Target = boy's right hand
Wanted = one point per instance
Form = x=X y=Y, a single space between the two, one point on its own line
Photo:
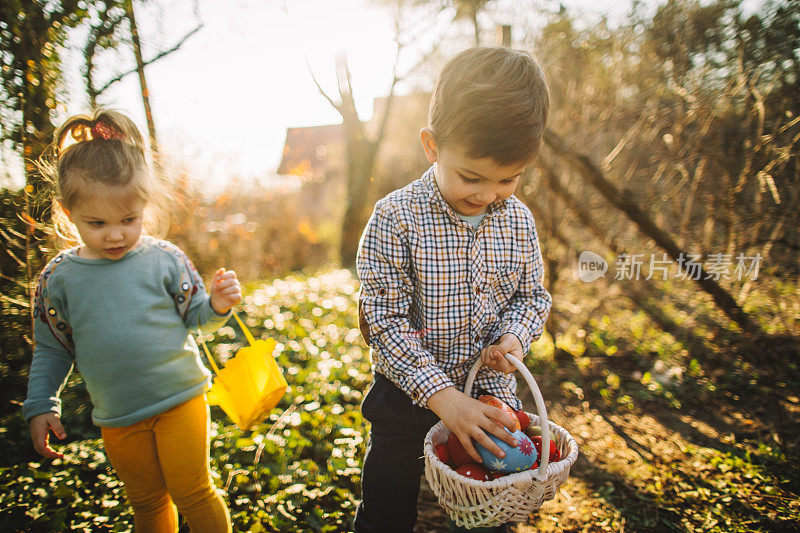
x=468 y=418
x=41 y=425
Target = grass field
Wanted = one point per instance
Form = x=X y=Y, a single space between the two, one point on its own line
x=677 y=431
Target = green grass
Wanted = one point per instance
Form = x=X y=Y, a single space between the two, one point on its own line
x=299 y=470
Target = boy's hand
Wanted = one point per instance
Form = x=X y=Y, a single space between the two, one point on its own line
x=41 y=425
x=468 y=418
x=493 y=356
x=225 y=291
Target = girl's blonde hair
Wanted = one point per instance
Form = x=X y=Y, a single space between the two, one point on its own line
x=103 y=149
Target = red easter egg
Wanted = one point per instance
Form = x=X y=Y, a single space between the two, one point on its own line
x=494 y=401
x=534 y=466
x=443 y=453
x=554 y=454
x=474 y=471
x=524 y=419
x=458 y=455
x=494 y=475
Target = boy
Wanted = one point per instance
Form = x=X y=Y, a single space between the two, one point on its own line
x=450 y=268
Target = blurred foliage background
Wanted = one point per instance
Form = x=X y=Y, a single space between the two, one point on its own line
x=673 y=142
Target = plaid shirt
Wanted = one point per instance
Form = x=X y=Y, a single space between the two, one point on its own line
x=435 y=291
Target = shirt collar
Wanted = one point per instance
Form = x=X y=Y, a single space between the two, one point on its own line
x=496 y=209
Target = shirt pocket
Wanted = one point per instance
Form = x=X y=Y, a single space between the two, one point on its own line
x=504 y=283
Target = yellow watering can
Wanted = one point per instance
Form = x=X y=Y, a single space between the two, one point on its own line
x=251 y=384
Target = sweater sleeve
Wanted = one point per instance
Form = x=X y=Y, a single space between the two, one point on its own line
x=385 y=299
x=53 y=353
x=191 y=299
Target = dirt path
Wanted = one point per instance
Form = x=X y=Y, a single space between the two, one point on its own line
x=655 y=468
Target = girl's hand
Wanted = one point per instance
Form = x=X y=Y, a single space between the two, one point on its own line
x=494 y=356
x=225 y=291
x=41 y=425
x=471 y=419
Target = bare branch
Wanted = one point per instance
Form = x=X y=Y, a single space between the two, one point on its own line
x=153 y=60
x=424 y=58
x=347 y=78
x=633 y=130
x=105 y=28
x=12 y=301
x=622 y=200
x=321 y=90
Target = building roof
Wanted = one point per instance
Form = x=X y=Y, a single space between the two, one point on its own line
x=306 y=148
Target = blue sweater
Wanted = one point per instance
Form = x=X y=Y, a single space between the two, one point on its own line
x=125 y=324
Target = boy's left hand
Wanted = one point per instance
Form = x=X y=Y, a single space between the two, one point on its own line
x=493 y=356
x=225 y=291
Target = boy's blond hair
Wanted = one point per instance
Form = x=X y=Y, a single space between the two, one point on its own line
x=491 y=102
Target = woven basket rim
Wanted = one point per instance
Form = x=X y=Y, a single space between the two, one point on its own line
x=472 y=503
x=526 y=476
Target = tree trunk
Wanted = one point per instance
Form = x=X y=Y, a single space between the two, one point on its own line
x=37 y=129
x=137 y=52
x=622 y=201
x=361 y=156
x=359 y=170
x=37 y=135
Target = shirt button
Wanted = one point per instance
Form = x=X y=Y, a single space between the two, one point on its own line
x=477 y=338
x=477 y=289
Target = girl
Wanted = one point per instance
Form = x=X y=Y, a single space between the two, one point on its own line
x=120 y=307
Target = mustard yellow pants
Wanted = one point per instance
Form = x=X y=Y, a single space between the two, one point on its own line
x=163 y=462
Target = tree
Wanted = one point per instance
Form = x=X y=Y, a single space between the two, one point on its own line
x=593 y=175
x=31 y=33
x=361 y=153
x=106 y=34
x=461 y=10
x=469 y=9
x=362 y=148
x=684 y=121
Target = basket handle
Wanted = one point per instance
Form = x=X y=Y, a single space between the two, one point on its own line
x=540 y=407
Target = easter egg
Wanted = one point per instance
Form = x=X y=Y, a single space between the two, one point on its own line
x=442 y=453
x=517 y=458
x=458 y=455
x=474 y=471
x=495 y=475
x=554 y=454
x=524 y=420
x=532 y=431
x=494 y=401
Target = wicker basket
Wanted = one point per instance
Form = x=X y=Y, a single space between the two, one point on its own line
x=471 y=503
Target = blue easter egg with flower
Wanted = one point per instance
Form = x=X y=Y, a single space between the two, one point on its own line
x=518 y=458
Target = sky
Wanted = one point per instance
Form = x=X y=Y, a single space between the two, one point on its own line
x=223 y=101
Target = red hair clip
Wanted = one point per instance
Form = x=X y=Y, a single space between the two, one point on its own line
x=106 y=132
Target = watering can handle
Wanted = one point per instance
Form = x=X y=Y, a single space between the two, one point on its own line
x=247 y=335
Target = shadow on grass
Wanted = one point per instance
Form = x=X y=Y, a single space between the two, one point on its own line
x=734 y=391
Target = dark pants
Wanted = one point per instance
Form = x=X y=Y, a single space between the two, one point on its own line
x=394 y=462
